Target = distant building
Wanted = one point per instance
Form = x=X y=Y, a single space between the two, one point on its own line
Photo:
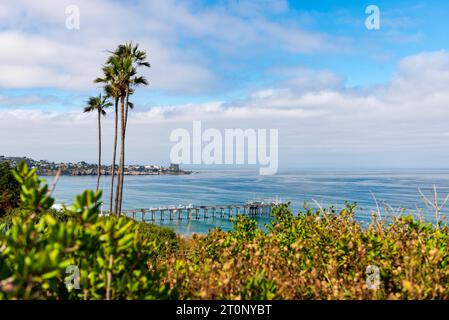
x=174 y=167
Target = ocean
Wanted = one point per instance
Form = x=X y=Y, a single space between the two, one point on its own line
x=395 y=189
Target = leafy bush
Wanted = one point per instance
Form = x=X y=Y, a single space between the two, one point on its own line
x=110 y=253
x=259 y=288
x=314 y=255
x=165 y=237
x=34 y=192
x=9 y=189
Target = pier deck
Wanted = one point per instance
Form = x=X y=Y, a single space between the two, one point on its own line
x=201 y=213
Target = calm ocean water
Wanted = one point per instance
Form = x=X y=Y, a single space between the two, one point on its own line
x=398 y=188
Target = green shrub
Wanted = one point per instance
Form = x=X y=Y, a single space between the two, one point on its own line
x=166 y=238
x=259 y=288
x=320 y=254
x=9 y=189
x=34 y=191
x=110 y=253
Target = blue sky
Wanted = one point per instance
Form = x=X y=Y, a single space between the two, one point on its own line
x=294 y=65
x=361 y=56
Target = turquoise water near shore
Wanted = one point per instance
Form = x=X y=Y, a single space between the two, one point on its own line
x=397 y=188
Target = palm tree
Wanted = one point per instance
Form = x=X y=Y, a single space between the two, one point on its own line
x=138 y=59
x=98 y=104
x=125 y=60
x=113 y=89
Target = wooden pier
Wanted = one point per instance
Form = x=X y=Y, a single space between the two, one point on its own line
x=201 y=213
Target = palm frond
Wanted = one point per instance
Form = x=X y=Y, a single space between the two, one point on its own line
x=99 y=103
x=88 y=109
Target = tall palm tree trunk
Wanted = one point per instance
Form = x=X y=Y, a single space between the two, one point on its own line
x=111 y=197
x=122 y=157
x=123 y=140
x=99 y=149
x=126 y=108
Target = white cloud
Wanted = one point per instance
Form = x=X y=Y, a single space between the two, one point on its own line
x=38 y=51
x=26 y=100
x=30 y=61
x=422 y=74
x=402 y=123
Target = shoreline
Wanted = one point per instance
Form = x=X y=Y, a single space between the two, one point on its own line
x=52 y=174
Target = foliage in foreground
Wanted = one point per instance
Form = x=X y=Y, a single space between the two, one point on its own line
x=36 y=251
x=9 y=189
x=312 y=255
x=315 y=255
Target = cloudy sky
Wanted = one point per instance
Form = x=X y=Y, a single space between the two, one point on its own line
x=341 y=95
